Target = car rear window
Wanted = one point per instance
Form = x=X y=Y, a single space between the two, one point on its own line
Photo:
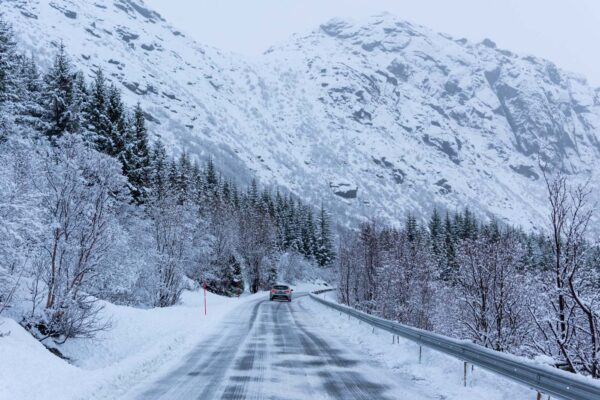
x=280 y=287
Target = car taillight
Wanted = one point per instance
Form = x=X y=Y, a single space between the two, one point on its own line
x=273 y=291
x=286 y=291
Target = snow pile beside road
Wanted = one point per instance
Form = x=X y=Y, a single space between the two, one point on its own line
x=28 y=369
x=438 y=373
x=140 y=344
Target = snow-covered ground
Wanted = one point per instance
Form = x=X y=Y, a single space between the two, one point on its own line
x=437 y=373
x=148 y=346
x=139 y=344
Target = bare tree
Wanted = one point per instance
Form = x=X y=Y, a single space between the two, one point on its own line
x=569 y=331
x=489 y=285
x=79 y=209
x=172 y=233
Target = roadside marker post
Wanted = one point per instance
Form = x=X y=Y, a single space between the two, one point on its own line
x=204 y=297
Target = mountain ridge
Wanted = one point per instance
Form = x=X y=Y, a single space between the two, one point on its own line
x=375 y=118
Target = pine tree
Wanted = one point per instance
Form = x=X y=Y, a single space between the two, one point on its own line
x=79 y=104
x=309 y=239
x=196 y=184
x=468 y=225
x=252 y=193
x=235 y=196
x=451 y=265
x=211 y=180
x=226 y=192
x=324 y=252
x=411 y=228
x=174 y=183
x=30 y=111
x=238 y=278
x=159 y=171
x=271 y=275
x=7 y=56
x=117 y=123
x=292 y=240
x=436 y=238
x=58 y=108
x=184 y=169
x=135 y=155
x=98 y=121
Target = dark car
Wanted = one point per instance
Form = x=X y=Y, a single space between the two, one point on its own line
x=281 y=292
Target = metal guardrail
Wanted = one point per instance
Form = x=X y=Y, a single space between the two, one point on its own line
x=323 y=291
x=545 y=380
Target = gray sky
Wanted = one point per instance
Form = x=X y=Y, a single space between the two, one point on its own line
x=564 y=31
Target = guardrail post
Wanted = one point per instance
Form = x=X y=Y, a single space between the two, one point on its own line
x=542 y=380
x=420 y=353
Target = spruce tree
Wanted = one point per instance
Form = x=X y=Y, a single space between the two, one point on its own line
x=450 y=239
x=117 y=133
x=196 y=184
x=324 y=252
x=184 y=169
x=436 y=238
x=252 y=193
x=291 y=229
x=98 y=121
x=174 y=183
x=309 y=239
x=211 y=180
x=7 y=56
x=135 y=155
x=159 y=171
x=411 y=228
x=32 y=109
x=58 y=107
x=238 y=278
x=226 y=192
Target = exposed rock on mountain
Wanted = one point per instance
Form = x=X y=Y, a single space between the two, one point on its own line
x=374 y=118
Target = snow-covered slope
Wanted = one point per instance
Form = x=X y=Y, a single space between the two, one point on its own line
x=139 y=346
x=374 y=118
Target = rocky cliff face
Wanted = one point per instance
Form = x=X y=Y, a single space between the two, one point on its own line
x=374 y=118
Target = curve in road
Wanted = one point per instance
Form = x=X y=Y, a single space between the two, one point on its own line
x=271 y=350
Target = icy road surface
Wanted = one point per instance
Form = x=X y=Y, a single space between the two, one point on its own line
x=274 y=350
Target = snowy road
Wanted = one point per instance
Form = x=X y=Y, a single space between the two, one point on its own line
x=272 y=350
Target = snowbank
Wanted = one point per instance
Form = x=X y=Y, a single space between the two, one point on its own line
x=140 y=344
x=442 y=375
x=28 y=369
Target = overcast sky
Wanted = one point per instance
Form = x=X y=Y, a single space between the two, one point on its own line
x=564 y=31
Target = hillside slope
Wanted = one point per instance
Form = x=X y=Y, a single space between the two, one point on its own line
x=375 y=119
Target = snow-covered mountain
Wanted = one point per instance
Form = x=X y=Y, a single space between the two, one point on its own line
x=374 y=118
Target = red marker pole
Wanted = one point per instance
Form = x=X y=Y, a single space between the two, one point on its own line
x=204 y=297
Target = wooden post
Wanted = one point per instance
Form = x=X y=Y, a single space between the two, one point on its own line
x=539 y=396
x=465 y=375
x=420 y=353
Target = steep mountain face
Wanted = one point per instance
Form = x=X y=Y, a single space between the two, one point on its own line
x=373 y=119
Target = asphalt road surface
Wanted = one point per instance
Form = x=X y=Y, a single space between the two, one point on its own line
x=271 y=350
